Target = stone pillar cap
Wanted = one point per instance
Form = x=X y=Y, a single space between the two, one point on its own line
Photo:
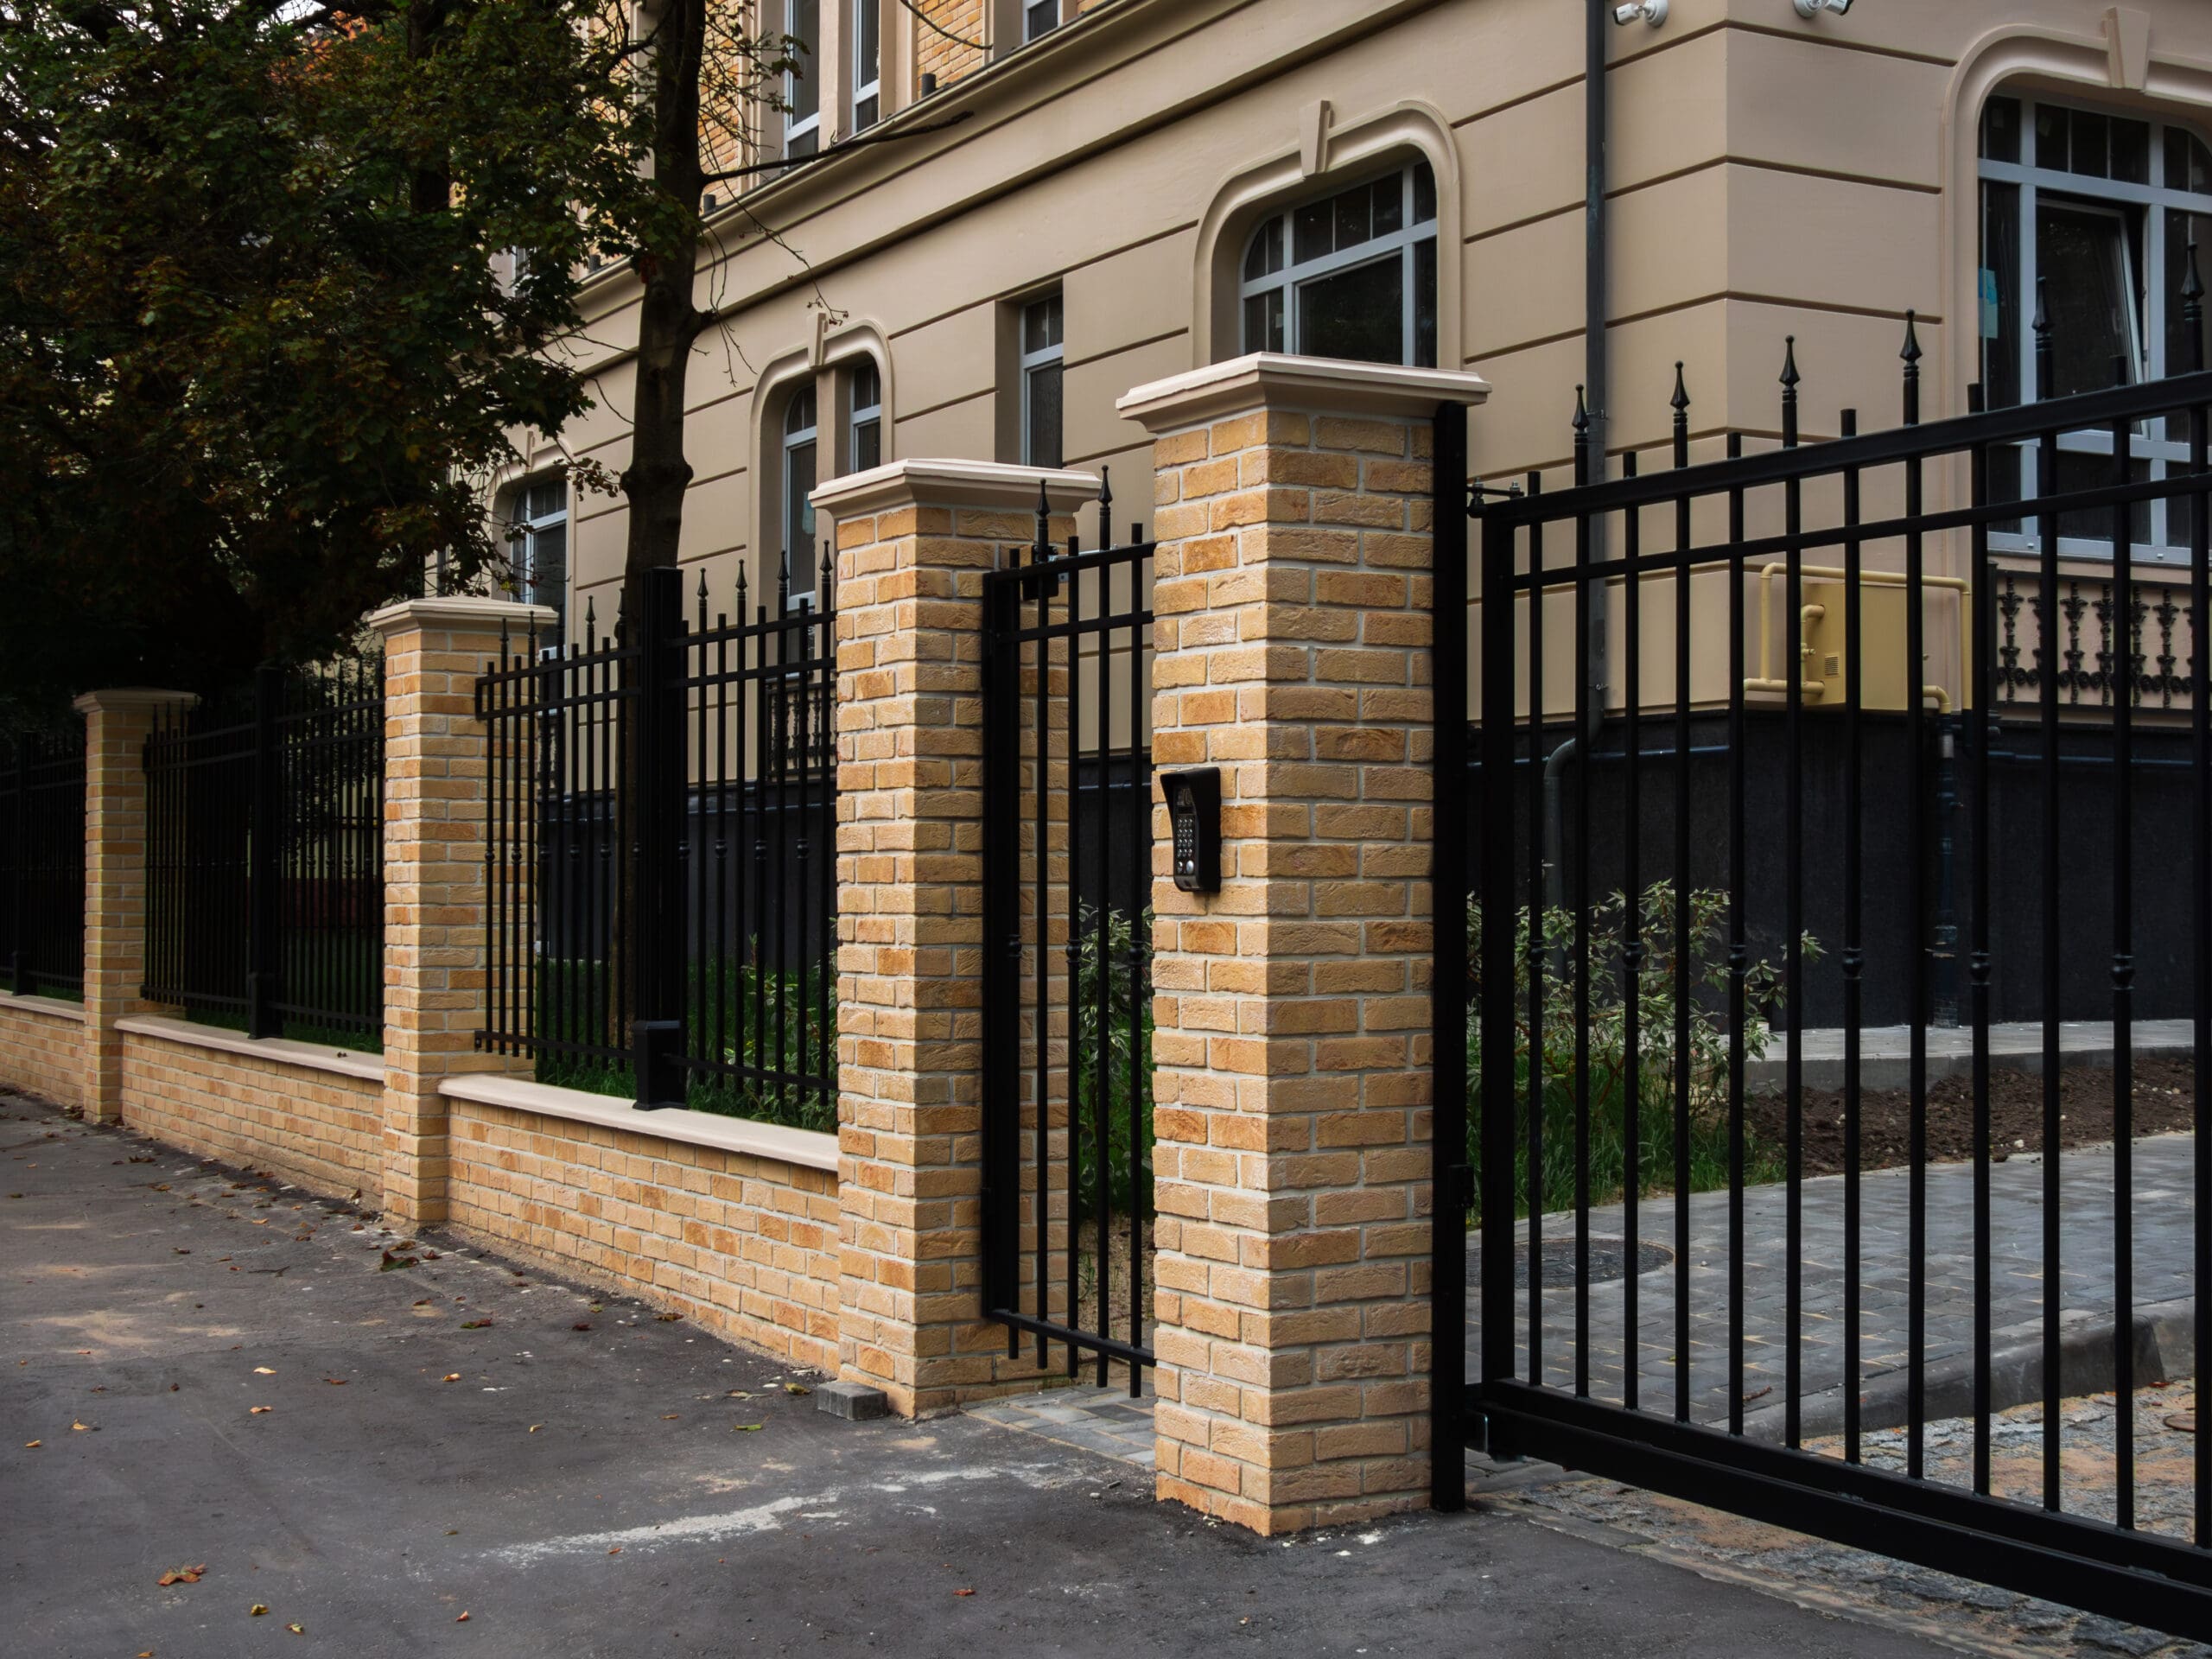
x=1318 y=385
x=133 y=696
x=468 y=611
x=953 y=484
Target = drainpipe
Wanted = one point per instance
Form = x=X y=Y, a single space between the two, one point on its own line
x=1595 y=269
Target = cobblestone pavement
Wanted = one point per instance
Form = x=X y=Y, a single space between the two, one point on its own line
x=2164 y=1212
x=1957 y=1612
x=1104 y=1421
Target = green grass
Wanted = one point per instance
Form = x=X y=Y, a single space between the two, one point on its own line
x=571 y=1009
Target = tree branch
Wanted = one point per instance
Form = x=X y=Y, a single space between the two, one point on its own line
x=864 y=140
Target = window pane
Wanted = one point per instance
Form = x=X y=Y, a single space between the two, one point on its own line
x=864 y=113
x=2079 y=472
x=1264 y=258
x=804 y=23
x=2091 y=149
x=2131 y=151
x=1358 y=313
x=868 y=385
x=1424 y=192
x=1388 y=197
x=2180 y=359
x=1309 y=232
x=1040 y=325
x=1040 y=18
x=798 y=511
x=868 y=45
x=2050 y=137
x=2083 y=254
x=2189 y=164
x=800 y=416
x=1999 y=301
x=867 y=445
x=1354 y=222
x=1263 y=322
x=2000 y=130
x=546 y=581
x=1044 y=434
x=1425 y=303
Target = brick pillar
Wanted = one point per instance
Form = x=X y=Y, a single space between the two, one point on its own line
x=1293 y=1088
x=914 y=539
x=435 y=947
x=116 y=726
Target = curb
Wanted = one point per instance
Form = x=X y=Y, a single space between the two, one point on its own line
x=2165 y=1341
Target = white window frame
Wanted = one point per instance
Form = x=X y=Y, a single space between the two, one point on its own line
x=523 y=531
x=867 y=77
x=864 y=414
x=806 y=126
x=796 y=438
x=1291 y=280
x=1027 y=361
x=2146 y=303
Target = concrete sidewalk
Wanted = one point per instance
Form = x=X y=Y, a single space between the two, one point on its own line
x=441 y=1439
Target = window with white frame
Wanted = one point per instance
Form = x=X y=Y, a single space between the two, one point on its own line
x=1039 y=365
x=1040 y=18
x=866 y=446
x=802 y=81
x=1349 y=275
x=800 y=476
x=867 y=64
x=2094 y=211
x=537 y=541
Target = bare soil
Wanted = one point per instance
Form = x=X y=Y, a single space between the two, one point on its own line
x=2163 y=1096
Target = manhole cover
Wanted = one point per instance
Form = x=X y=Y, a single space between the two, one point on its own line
x=1608 y=1260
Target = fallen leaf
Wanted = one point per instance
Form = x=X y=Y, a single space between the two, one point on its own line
x=534 y=1427
x=296 y=1629
x=335 y=1382
x=746 y=1428
x=79 y=1428
x=463 y=1619
x=450 y=1377
x=793 y=1387
x=617 y=1550
x=670 y=1416
x=256 y=1609
x=667 y=1319
x=182 y=1574
x=179 y=1249
x=256 y=1411
x=476 y=1325
x=737 y=1394
x=963 y=1592
x=263 y=1371
x=580 y=1327
x=29 y=1445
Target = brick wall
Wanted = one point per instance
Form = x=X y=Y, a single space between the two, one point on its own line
x=967 y=21
x=43 y=1053
x=319 y=1130
x=746 y=1246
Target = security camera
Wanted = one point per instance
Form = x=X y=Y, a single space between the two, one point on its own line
x=1653 y=12
x=1814 y=8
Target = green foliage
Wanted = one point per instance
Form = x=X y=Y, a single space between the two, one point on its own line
x=1113 y=961
x=262 y=344
x=726 y=995
x=1615 y=990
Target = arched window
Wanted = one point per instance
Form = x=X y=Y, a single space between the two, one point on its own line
x=1349 y=275
x=2096 y=211
x=799 y=478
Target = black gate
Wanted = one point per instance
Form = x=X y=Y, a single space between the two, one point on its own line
x=1067 y=981
x=1907 y=729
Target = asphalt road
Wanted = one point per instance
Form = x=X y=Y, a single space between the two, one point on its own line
x=225 y=1375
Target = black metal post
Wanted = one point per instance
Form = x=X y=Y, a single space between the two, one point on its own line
x=19 y=962
x=264 y=859
x=656 y=872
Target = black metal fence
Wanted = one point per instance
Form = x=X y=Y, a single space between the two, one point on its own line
x=42 y=863
x=264 y=855
x=661 y=851
x=1067 y=966
x=1620 y=992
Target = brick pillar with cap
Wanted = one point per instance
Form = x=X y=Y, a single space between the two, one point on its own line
x=1292 y=1161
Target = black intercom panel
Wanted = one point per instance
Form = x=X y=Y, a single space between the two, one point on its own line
x=1194 y=814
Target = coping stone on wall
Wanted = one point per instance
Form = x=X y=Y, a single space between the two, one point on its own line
x=282 y=1051
x=52 y=1007
x=807 y=1148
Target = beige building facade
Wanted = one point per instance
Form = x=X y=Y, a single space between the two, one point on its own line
x=1134 y=189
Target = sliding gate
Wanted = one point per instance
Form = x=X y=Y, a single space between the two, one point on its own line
x=1067 y=981
x=1814 y=983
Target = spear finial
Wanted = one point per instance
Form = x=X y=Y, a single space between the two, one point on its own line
x=1910 y=356
x=1790 y=379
